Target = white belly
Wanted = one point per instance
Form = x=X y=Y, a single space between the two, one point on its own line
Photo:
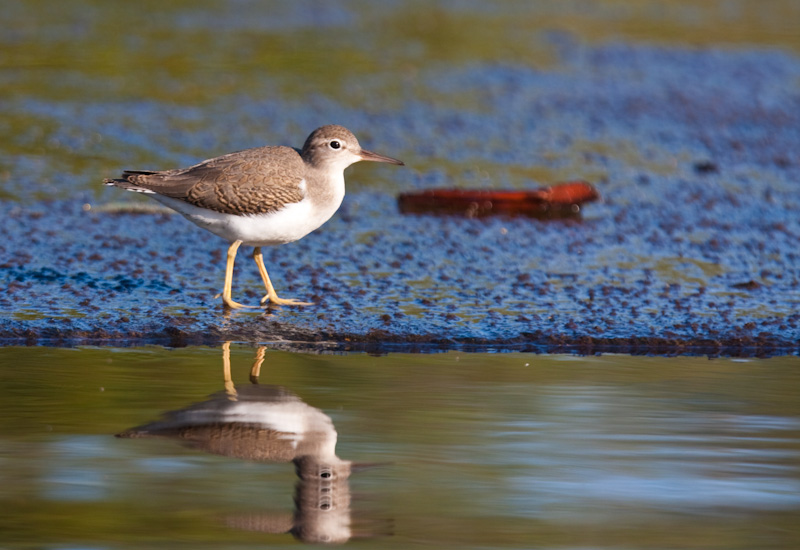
x=291 y=223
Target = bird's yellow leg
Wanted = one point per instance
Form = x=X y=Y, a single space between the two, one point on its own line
x=255 y=370
x=272 y=296
x=226 y=371
x=227 y=289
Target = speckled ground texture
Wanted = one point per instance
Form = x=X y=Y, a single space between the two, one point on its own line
x=695 y=247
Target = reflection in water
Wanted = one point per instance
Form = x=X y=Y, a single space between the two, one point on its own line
x=493 y=451
x=270 y=423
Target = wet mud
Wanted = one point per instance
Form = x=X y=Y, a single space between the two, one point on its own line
x=693 y=249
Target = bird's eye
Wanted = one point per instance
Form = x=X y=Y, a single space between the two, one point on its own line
x=335 y=144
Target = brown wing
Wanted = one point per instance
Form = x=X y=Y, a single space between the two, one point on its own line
x=253 y=181
x=236 y=439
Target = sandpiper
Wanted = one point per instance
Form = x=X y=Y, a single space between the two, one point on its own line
x=259 y=197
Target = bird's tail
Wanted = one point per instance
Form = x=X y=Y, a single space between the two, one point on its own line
x=128 y=180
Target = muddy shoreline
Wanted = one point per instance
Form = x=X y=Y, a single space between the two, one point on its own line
x=380 y=341
x=693 y=248
x=81 y=277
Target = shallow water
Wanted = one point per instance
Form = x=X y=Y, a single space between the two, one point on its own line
x=449 y=450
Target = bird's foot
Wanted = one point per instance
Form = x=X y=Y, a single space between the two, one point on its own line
x=275 y=300
x=229 y=303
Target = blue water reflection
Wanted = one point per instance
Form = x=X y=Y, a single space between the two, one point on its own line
x=595 y=447
x=471 y=450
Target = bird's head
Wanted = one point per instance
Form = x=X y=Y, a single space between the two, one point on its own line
x=336 y=147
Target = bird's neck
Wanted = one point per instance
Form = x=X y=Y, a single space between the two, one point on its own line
x=325 y=189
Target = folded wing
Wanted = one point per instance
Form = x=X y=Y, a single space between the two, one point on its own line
x=253 y=181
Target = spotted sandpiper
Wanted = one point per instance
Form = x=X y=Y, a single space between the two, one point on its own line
x=259 y=197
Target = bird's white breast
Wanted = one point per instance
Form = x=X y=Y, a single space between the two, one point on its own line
x=294 y=221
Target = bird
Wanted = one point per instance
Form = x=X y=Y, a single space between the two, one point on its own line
x=264 y=196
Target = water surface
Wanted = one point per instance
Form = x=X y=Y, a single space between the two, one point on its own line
x=450 y=450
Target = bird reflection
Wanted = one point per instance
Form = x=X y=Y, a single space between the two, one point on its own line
x=270 y=423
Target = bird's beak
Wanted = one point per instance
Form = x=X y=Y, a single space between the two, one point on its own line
x=375 y=157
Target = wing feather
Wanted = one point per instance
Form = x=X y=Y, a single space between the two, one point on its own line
x=253 y=181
